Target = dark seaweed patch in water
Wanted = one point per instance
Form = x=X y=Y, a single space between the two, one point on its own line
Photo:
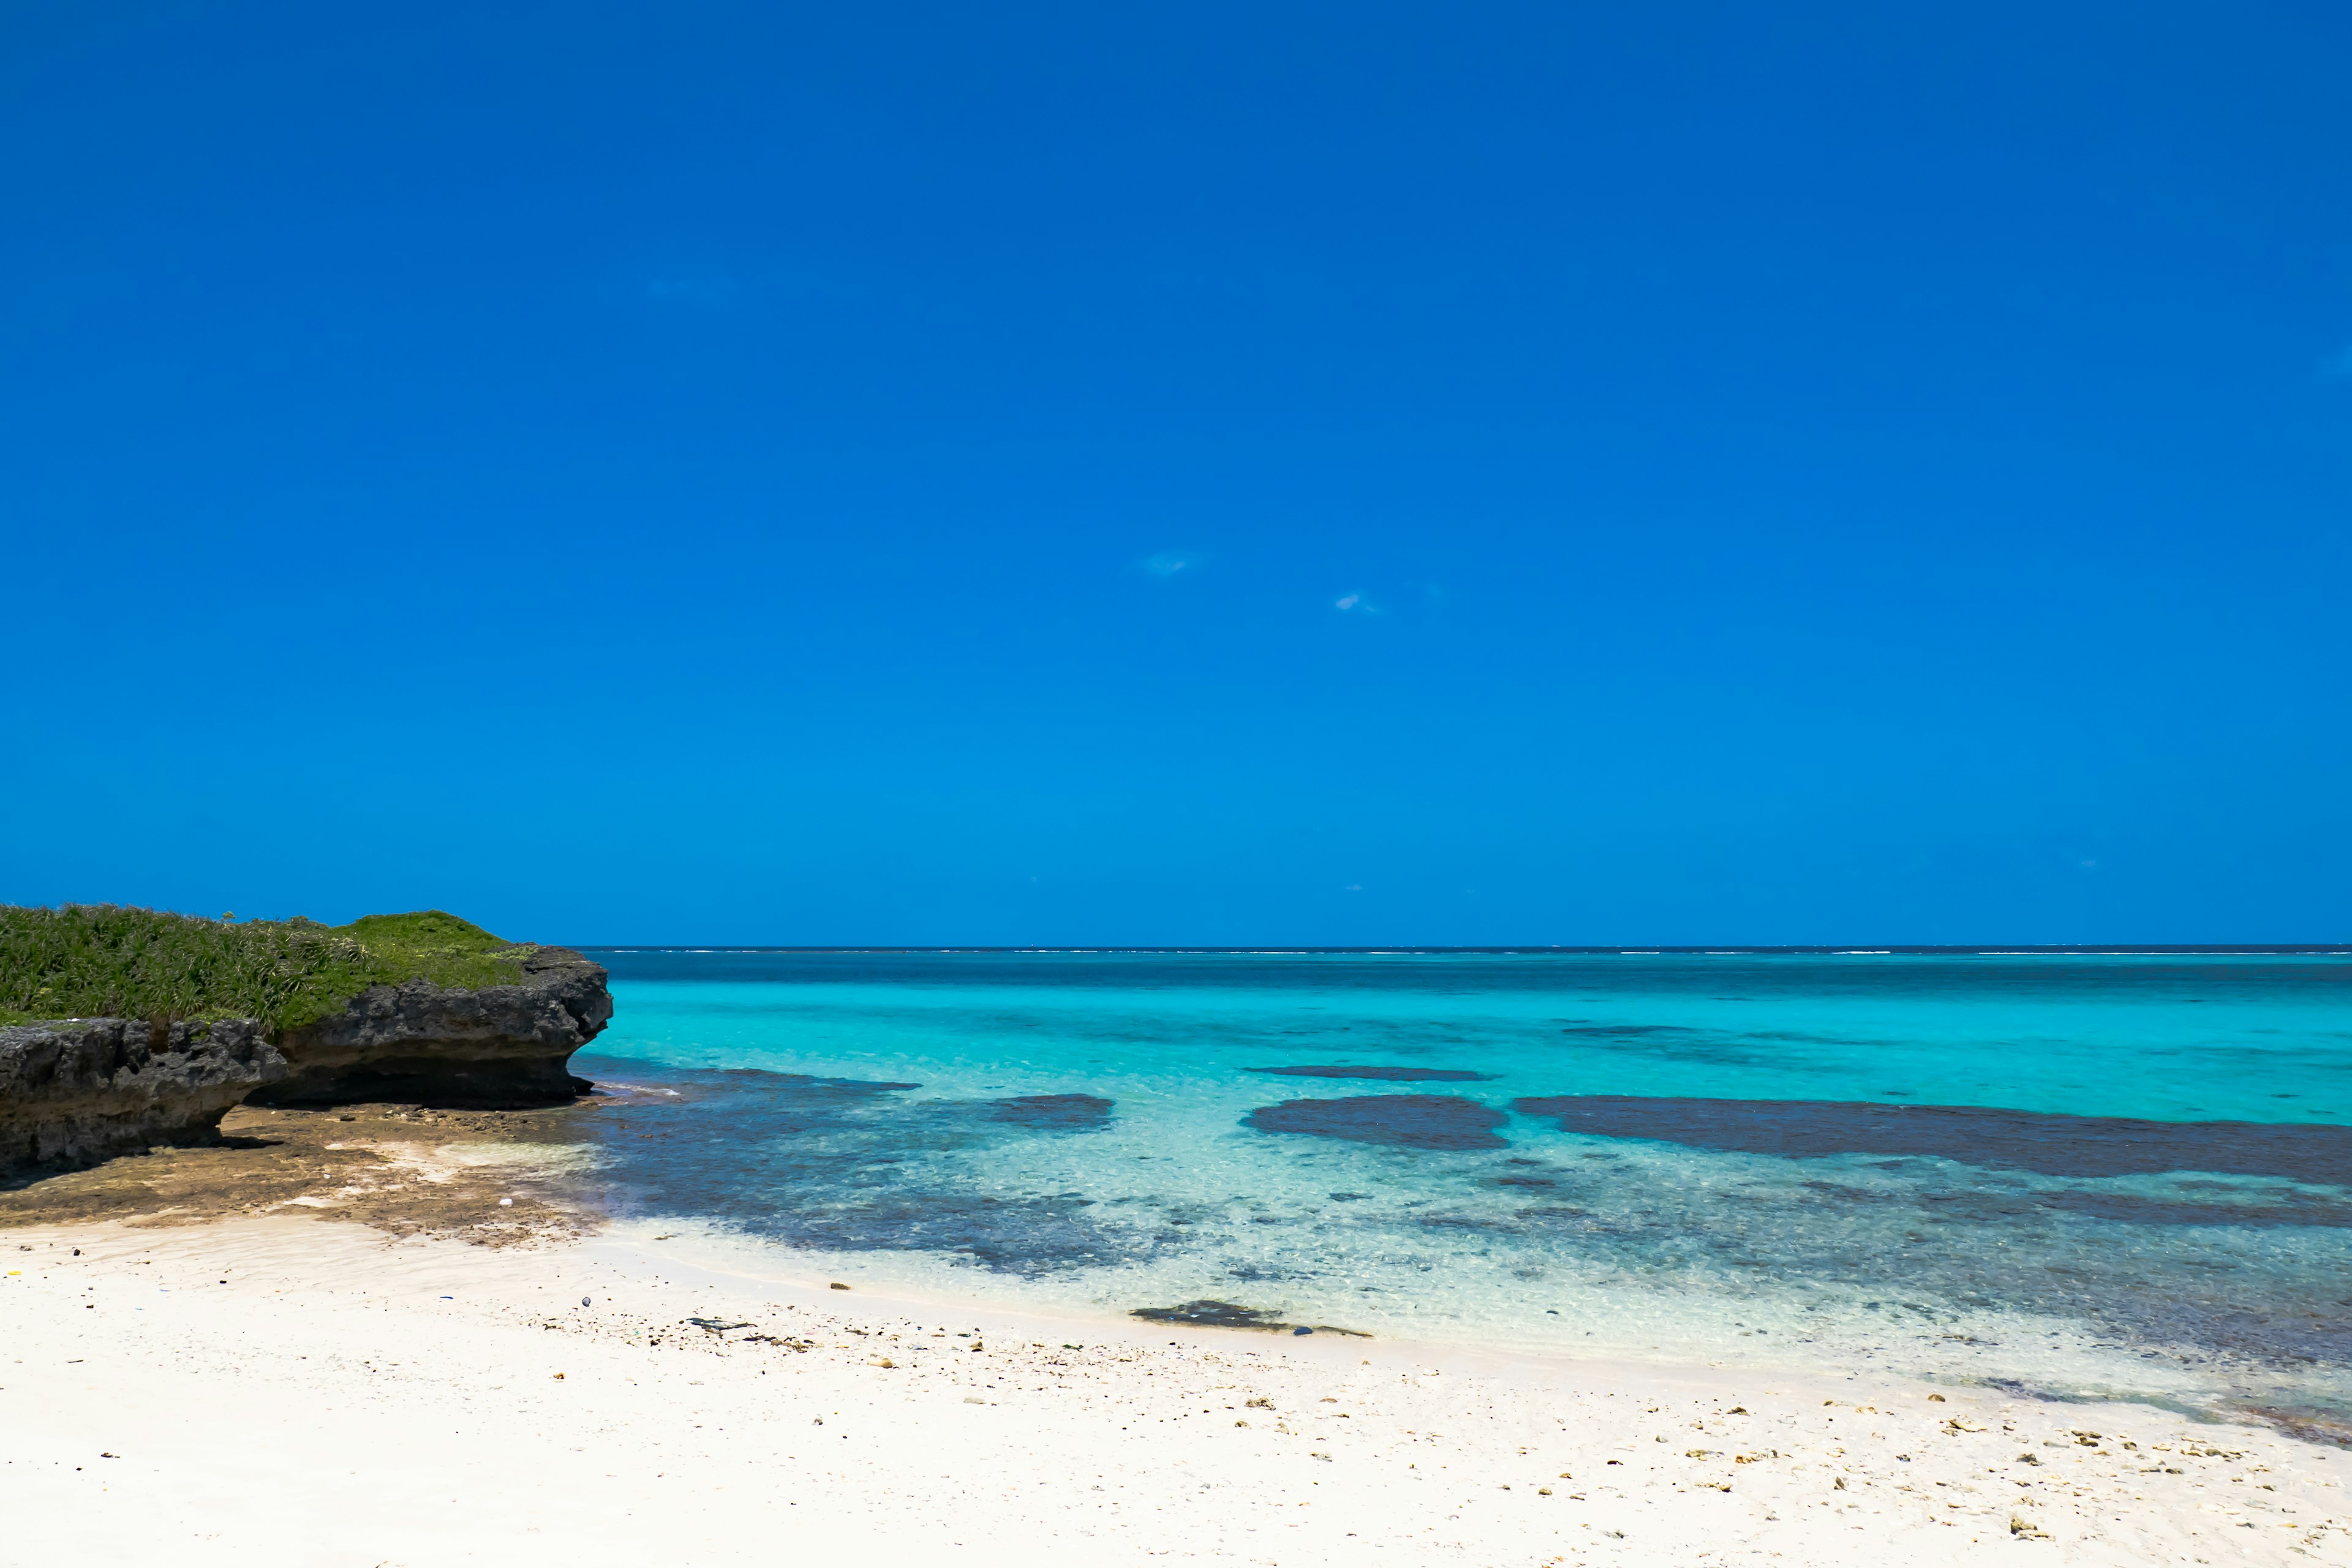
x=1386 y=1074
x=1397 y=1120
x=835 y=1164
x=2291 y=1208
x=1985 y=1136
x=1069 y=1112
x=1009 y=1235
x=1854 y=1195
x=1625 y=1031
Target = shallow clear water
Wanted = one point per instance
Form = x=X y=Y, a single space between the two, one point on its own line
x=1711 y=1172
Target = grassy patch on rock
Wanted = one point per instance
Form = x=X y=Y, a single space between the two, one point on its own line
x=100 y=961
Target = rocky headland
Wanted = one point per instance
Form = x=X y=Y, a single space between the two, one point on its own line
x=182 y=1019
x=423 y=1044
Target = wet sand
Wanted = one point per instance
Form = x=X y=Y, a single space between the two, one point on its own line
x=336 y=1346
x=403 y=1169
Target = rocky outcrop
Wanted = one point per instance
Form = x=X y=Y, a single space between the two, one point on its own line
x=423 y=1044
x=79 y=1092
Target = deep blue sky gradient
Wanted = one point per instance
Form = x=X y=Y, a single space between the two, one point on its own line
x=1684 y=473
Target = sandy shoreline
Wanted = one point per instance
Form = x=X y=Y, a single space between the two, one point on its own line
x=288 y=1390
x=330 y=1342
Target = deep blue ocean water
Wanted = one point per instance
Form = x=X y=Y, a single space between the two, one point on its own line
x=2090 y=1175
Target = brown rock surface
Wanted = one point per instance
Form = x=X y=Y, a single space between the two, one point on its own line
x=405 y=1170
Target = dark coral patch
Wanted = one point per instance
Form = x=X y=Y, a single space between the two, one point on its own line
x=1398 y=1120
x=1065 y=1113
x=1984 y=1136
x=1385 y=1074
x=834 y=1165
x=2286 y=1208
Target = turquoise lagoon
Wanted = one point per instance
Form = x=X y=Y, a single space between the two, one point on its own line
x=2140 y=1185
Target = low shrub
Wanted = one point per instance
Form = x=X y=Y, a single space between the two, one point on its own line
x=97 y=961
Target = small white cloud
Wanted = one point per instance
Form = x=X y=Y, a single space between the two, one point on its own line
x=1172 y=564
x=1355 y=605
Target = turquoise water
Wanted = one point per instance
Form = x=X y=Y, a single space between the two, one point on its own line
x=1710 y=1171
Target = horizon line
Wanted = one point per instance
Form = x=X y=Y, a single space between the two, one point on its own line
x=1853 y=950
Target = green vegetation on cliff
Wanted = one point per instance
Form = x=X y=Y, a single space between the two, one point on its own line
x=96 y=960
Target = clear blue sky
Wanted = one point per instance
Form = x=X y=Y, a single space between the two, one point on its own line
x=1346 y=473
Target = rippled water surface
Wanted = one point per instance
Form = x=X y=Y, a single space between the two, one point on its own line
x=2093 y=1175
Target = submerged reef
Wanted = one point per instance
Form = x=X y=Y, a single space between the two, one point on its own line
x=1989 y=1136
x=847 y=1164
x=1069 y=1112
x=1383 y=1074
x=1398 y=1120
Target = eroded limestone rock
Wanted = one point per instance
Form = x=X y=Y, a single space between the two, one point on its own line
x=76 y=1092
x=419 y=1043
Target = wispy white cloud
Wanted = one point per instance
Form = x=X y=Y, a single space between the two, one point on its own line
x=1169 y=564
x=1356 y=604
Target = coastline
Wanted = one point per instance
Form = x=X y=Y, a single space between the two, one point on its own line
x=396 y=1399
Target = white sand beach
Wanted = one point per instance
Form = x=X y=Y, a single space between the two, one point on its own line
x=285 y=1390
